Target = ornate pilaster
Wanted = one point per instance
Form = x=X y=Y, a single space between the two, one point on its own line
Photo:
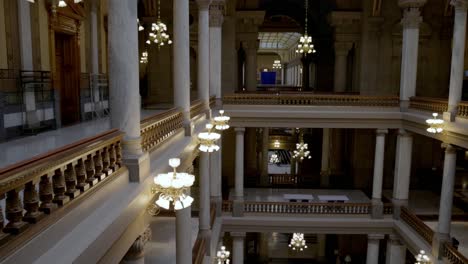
x=137 y=250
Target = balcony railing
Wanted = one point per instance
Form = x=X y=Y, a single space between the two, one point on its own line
x=463 y=109
x=301 y=208
x=417 y=224
x=283 y=179
x=52 y=180
x=453 y=255
x=436 y=105
x=311 y=99
x=155 y=129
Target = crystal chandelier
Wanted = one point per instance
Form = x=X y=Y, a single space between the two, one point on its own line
x=158 y=33
x=144 y=57
x=422 y=258
x=222 y=256
x=274 y=158
x=221 y=121
x=173 y=187
x=435 y=124
x=305 y=45
x=298 y=242
x=208 y=140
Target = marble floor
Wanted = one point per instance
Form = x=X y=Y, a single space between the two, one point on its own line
x=28 y=147
x=161 y=249
x=277 y=195
x=459 y=230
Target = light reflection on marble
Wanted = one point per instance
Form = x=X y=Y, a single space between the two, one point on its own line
x=459 y=230
x=28 y=147
x=276 y=195
x=161 y=248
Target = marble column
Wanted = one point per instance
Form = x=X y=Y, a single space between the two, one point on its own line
x=251 y=48
x=181 y=55
x=238 y=247
x=124 y=84
x=239 y=172
x=458 y=57
x=409 y=57
x=446 y=200
x=204 y=169
x=264 y=180
x=325 y=167
x=94 y=52
x=341 y=61
x=136 y=252
x=203 y=57
x=396 y=251
x=373 y=241
x=184 y=236
x=216 y=22
x=25 y=47
x=377 y=205
x=402 y=170
x=216 y=178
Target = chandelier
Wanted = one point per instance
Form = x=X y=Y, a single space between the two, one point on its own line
x=277 y=64
x=222 y=256
x=301 y=152
x=422 y=258
x=298 y=242
x=274 y=158
x=144 y=57
x=305 y=45
x=208 y=140
x=158 y=33
x=221 y=121
x=173 y=187
x=435 y=124
x=276 y=144
x=62 y=3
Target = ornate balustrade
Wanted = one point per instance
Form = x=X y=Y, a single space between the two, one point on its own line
x=311 y=99
x=283 y=179
x=157 y=128
x=52 y=180
x=436 y=105
x=463 y=109
x=417 y=224
x=301 y=208
x=453 y=255
x=196 y=108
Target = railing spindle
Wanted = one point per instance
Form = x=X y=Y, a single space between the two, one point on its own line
x=31 y=204
x=14 y=213
x=58 y=182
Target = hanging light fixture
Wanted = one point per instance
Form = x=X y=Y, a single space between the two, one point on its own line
x=144 y=57
x=276 y=144
x=305 y=45
x=221 y=121
x=298 y=242
x=277 y=63
x=158 y=33
x=140 y=27
x=436 y=125
x=301 y=152
x=422 y=258
x=62 y=3
x=222 y=256
x=274 y=158
x=77 y=1
x=173 y=187
x=208 y=140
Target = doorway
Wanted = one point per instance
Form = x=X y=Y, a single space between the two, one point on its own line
x=67 y=76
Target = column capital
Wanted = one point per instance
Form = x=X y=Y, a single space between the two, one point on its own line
x=394 y=239
x=411 y=3
x=449 y=148
x=216 y=13
x=237 y=234
x=136 y=251
x=203 y=4
x=411 y=17
x=239 y=130
x=342 y=48
x=460 y=5
x=404 y=133
x=381 y=132
x=375 y=237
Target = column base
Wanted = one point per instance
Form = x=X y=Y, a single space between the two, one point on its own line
x=397 y=204
x=238 y=207
x=438 y=244
x=449 y=116
x=404 y=105
x=138 y=167
x=377 y=209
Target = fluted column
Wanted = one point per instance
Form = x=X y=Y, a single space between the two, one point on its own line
x=184 y=236
x=396 y=251
x=238 y=245
x=377 y=206
x=203 y=57
x=264 y=180
x=325 y=168
x=204 y=192
x=402 y=170
x=341 y=61
x=409 y=57
x=373 y=241
x=458 y=56
x=181 y=49
x=239 y=172
x=216 y=23
x=124 y=83
x=136 y=253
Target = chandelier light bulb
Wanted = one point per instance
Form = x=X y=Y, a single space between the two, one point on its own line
x=62 y=3
x=77 y=1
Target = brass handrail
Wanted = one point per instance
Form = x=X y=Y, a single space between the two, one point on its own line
x=453 y=255
x=417 y=224
x=157 y=128
x=437 y=105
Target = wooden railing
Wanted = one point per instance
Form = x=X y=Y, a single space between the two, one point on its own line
x=157 y=128
x=283 y=179
x=463 y=109
x=199 y=249
x=417 y=224
x=52 y=180
x=311 y=99
x=436 y=105
x=453 y=255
